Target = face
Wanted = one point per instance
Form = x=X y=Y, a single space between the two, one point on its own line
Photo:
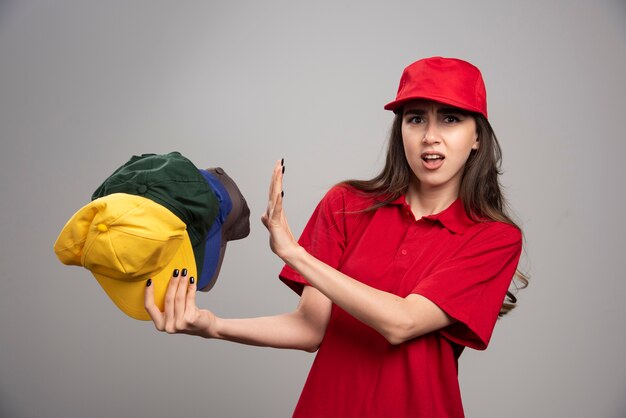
x=438 y=140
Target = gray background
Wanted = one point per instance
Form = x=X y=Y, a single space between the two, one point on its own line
x=86 y=84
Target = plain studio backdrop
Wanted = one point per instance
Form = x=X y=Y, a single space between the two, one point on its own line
x=84 y=85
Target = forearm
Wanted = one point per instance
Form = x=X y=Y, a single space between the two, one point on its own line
x=302 y=329
x=289 y=330
x=397 y=319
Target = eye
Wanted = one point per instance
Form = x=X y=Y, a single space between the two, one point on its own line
x=414 y=119
x=451 y=118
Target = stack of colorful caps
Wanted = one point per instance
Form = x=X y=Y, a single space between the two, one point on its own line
x=153 y=214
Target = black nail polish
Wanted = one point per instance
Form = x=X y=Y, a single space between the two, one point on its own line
x=149 y=282
x=283 y=169
x=192 y=280
x=184 y=272
x=282 y=162
x=175 y=273
x=282 y=194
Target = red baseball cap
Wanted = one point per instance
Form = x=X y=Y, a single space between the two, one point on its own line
x=446 y=80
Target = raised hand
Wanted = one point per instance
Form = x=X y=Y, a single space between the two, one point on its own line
x=282 y=241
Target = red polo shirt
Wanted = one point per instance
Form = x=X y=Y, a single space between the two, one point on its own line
x=464 y=267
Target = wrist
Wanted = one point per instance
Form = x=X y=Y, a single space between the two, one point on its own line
x=296 y=254
x=214 y=324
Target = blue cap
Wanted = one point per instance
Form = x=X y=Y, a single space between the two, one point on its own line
x=231 y=223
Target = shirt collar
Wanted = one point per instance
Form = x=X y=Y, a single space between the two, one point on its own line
x=452 y=218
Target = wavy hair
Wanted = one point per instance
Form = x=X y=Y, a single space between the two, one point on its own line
x=480 y=189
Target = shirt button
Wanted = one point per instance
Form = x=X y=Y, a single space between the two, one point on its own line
x=404 y=252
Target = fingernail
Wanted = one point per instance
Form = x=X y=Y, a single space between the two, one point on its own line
x=282 y=162
x=283 y=169
x=282 y=194
x=175 y=273
x=192 y=280
x=149 y=282
x=184 y=272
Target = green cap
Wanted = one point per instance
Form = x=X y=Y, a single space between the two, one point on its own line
x=174 y=182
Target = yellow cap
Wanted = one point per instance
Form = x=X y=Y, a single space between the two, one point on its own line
x=124 y=240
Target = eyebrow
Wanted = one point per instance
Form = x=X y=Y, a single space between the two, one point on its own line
x=418 y=112
x=443 y=110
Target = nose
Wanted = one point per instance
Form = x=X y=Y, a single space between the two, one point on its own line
x=431 y=136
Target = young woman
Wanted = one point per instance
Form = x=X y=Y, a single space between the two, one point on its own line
x=396 y=274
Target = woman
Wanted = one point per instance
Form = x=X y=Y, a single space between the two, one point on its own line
x=397 y=274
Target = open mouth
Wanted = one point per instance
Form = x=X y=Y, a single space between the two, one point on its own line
x=433 y=160
x=432 y=157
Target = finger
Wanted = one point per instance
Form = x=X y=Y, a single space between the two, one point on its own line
x=277 y=185
x=277 y=180
x=180 y=299
x=272 y=193
x=273 y=179
x=153 y=311
x=170 y=302
x=190 y=305
x=277 y=204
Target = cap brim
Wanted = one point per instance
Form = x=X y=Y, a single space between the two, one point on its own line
x=212 y=245
x=213 y=257
x=397 y=104
x=129 y=295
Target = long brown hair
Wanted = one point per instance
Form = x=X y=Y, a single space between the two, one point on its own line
x=480 y=189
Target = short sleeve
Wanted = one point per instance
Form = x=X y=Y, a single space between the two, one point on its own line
x=323 y=236
x=471 y=285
